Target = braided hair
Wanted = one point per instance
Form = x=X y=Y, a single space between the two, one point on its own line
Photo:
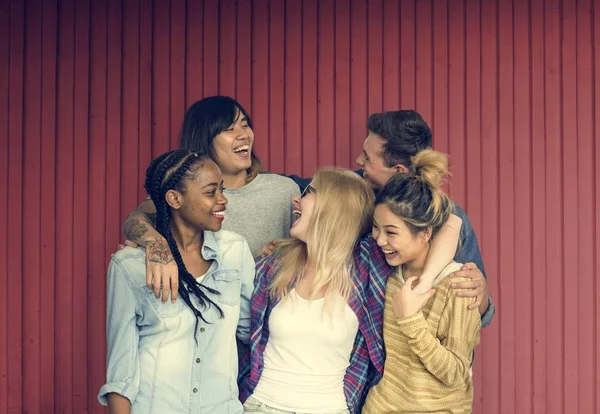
x=168 y=172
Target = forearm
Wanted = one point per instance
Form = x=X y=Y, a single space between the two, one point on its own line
x=117 y=404
x=442 y=251
x=138 y=228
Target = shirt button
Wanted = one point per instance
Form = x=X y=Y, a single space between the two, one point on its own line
x=195 y=390
x=198 y=360
x=201 y=329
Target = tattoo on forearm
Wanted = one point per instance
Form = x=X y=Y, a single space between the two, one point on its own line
x=158 y=251
x=134 y=229
x=152 y=218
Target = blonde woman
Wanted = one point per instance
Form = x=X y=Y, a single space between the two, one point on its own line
x=429 y=338
x=310 y=335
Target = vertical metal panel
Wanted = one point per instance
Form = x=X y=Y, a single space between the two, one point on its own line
x=91 y=90
x=48 y=207
x=4 y=189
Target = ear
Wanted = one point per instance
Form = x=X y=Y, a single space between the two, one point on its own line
x=399 y=168
x=174 y=199
x=425 y=235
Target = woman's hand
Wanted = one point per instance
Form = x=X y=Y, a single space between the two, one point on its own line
x=407 y=302
x=161 y=269
x=475 y=288
x=270 y=248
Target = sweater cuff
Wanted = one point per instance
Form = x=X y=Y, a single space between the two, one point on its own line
x=411 y=325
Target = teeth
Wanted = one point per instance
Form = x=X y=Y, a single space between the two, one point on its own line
x=242 y=148
x=219 y=213
x=297 y=213
x=388 y=251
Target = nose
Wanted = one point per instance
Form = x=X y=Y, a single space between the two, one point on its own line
x=296 y=201
x=240 y=132
x=222 y=199
x=360 y=161
x=380 y=239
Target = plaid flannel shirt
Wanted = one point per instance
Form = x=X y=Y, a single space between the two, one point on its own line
x=367 y=301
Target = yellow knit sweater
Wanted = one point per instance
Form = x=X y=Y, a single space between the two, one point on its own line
x=427 y=367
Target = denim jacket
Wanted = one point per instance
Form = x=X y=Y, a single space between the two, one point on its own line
x=153 y=358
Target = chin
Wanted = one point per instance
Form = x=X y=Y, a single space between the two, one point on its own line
x=214 y=227
x=297 y=235
x=244 y=166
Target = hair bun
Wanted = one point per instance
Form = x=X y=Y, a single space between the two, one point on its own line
x=430 y=167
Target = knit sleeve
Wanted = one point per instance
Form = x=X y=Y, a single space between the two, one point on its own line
x=446 y=355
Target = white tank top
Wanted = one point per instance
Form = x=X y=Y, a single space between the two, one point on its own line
x=307 y=355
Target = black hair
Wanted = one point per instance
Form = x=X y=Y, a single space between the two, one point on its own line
x=405 y=134
x=168 y=172
x=417 y=196
x=206 y=119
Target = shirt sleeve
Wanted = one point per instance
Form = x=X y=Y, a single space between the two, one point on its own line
x=469 y=252
x=447 y=356
x=247 y=272
x=488 y=315
x=123 y=365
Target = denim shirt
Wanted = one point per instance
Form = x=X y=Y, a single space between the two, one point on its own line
x=468 y=252
x=153 y=358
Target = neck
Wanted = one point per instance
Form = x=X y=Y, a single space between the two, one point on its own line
x=415 y=267
x=187 y=238
x=235 y=180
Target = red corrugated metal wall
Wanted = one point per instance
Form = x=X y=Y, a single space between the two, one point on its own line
x=90 y=90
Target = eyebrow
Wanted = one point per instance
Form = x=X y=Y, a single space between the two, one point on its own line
x=365 y=152
x=386 y=226
x=211 y=185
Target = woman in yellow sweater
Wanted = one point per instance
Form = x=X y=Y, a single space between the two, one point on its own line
x=429 y=338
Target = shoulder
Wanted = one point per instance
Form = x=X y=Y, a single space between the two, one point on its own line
x=129 y=255
x=460 y=212
x=131 y=263
x=275 y=180
x=445 y=281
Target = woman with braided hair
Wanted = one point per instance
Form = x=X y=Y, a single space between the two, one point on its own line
x=180 y=357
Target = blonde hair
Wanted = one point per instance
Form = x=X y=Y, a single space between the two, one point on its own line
x=342 y=215
x=417 y=196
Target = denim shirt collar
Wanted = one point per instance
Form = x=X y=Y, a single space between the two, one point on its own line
x=210 y=248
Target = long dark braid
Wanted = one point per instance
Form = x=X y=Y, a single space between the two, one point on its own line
x=165 y=173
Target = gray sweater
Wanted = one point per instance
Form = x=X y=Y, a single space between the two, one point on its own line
x=261 y=210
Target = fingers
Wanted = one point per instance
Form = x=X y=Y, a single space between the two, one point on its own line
x=149 y=277
x=174 y=287
x=131 y=244
x=410 y=281
x=468 y=284
x=465 y=273
x=165 y=282
x=156 y=287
